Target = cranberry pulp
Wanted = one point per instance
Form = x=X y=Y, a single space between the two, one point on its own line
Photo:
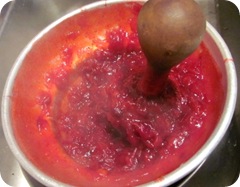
x=81 y=118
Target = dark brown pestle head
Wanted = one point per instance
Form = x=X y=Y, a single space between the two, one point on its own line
x=169 y=31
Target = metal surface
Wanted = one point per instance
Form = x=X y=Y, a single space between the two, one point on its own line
x=28 y=17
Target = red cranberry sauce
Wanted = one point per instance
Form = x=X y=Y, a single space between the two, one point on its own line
x=107 y=125
x=86 y=117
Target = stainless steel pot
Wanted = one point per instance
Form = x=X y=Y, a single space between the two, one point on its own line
x=217 y=48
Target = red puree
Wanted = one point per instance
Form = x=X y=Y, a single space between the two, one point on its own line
x=83 y=119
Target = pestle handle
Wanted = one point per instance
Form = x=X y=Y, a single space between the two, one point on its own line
x=169 y=31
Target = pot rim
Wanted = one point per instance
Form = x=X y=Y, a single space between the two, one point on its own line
x=169 y=178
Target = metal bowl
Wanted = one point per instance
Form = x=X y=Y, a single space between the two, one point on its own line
x=216 y=47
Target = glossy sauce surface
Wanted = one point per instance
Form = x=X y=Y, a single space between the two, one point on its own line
x=82 y=111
